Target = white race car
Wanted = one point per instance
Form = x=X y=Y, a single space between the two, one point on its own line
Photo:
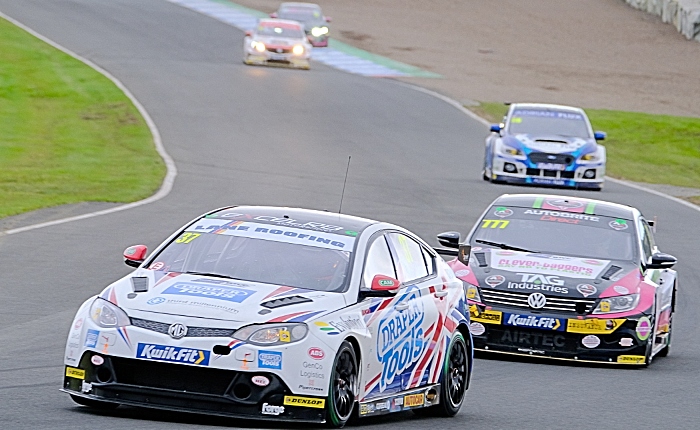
x=277 y=42
x=277 y=313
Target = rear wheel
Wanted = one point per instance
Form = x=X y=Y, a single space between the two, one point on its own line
x=95 y=404
x=343 y=388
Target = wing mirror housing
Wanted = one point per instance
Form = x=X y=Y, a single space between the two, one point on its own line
x=495 y=128
x=327 y=18
x=249 y=33
x=449 y=239
x=273 y=15
x=662 y=261
x=134 y=255
x=599 y=135
x=382 y=286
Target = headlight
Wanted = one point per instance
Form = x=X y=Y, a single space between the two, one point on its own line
x=511 y=152
x=258 y=46
x=319 y=31
x=108 y=315
x=472 y=292
x=592 y=157
x=617 y=304
x=272 y=334
x=298 y=50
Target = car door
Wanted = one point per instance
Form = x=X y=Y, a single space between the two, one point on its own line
x=661 y=279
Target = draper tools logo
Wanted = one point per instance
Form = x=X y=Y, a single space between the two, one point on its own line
x=400 y=340
x=172 y=354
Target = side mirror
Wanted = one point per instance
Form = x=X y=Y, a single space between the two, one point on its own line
x=382 y=286
x=495 y=128
x=273 y=15
x=662 y=261
x=599 y=135
x=249 y=33
x=327 y=18
x=134 y=255
x=449 y=239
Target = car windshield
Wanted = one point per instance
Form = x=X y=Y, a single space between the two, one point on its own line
x=280 y=31
x=541 y=122
x=556 y=232
x=301 y=14
x=257 y=252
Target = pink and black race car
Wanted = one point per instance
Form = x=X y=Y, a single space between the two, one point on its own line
x=566 y=278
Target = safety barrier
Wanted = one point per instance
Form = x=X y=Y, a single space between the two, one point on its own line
x=683 y=14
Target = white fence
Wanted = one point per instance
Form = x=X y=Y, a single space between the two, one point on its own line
x=683 y=14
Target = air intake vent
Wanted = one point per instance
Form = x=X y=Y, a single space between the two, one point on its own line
x=481 y=258
x=285 y=301
x=612 y=270
x=140 y=284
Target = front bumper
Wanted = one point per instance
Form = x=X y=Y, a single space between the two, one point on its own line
x=586 y=339
x=318 y=42
x=186 y=388
x=515 y=171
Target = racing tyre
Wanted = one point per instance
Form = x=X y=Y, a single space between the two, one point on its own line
x=343 y=388
x=454 y=381
x=95 y=404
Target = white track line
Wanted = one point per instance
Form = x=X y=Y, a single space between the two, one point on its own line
x=474 y=116
x=167 y=184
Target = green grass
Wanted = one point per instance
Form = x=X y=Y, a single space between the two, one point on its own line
x=657 y=149
x=68 y=133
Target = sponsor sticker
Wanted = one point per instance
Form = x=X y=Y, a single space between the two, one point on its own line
x=494 y=223
x=91 y=338
x=158 y=265
x=619 y=289
x=260 y=381
x=503 y=212
x=593 y=325
x=495 y=280
x=413 y=400
x=626 y=342
x=586 y=289
x=630 y=359
x=74 y=372
x=156 y=301
x=270 y=360
x=462 y=273
x=366 y=408
x=97 y=360
x=307 y=402
x=268 y=409
x=643 y=328
x=486 y=316
x=590 y=341
x=534 y=321
x=618 y=224
x=220 y=292
x=173 y=354
x=477 y=329
x=316 y=353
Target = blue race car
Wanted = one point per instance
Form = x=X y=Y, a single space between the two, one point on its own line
x=543 y=144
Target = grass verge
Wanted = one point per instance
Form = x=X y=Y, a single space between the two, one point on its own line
x=656 y=149
x=69 y=134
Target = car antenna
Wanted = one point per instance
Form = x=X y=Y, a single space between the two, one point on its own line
x=344 y=182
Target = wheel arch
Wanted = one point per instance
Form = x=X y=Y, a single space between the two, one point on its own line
x=463 y=329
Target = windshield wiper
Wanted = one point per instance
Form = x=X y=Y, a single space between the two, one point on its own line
x=502 y=246
x=215 y=275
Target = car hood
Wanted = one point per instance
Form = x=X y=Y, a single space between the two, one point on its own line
x=216 y=298
x=553 y=275
x=551 y=143
x=278 y=41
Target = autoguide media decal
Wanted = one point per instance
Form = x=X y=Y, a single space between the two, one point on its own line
x=400 y=338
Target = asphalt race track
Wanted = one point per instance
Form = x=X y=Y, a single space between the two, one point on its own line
x=245 y=135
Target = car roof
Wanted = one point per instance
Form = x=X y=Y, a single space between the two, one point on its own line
x=544 y=106
x=295 y=217
x=279 y=22
x=567 y=204
x=299 y=4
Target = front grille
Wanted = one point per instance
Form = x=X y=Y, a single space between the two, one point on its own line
x=543 y=157
x=519 y=300
x=161 y=327
x=171 y=376
x=280 y=50
x=559 y=174
x=518 y=337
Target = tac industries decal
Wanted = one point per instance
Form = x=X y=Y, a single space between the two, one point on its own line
x=400 y=338
x=534 y=321
x=173 y=354
x=230 y=294
x=270 y=360
x=91 y=338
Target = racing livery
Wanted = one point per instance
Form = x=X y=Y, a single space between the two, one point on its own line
x=543 y=144
x=566 y=278
x=277 y=42
x=310 y=15
x=277 y=313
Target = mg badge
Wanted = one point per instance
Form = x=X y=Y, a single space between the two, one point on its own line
x=279 y=51
x=177 y=331
x=536 y=300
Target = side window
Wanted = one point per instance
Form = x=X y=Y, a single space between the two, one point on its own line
x=647 y=240
x=378 y=262
x=410 y=262
x=429 y=261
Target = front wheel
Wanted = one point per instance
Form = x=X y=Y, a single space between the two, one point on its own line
x=343 y=386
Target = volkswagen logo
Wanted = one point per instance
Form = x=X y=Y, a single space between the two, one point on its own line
x=535 y=300
x=178 y=331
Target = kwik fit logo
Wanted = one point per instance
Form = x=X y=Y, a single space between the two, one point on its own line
x=172 y=354
x=534 y=321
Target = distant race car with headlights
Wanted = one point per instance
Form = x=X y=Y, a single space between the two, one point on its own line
x=277 y=42
x=544 y=144
x=280 y=314
x=567 y=278
x=309 y=14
